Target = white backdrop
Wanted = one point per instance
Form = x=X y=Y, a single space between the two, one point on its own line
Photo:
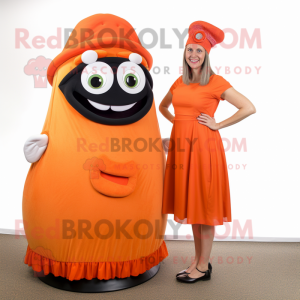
x=259 y=57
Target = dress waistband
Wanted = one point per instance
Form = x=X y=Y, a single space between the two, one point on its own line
x=186 y=117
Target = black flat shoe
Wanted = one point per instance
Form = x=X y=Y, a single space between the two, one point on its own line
x=184 y=271
x=188 y=279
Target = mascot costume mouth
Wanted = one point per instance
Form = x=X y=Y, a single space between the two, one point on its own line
x=107 y=97
x=93 y=195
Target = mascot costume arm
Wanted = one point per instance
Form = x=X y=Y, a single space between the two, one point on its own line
x=35 y=146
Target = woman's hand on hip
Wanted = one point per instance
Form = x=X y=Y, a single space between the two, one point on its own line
x=207 y=120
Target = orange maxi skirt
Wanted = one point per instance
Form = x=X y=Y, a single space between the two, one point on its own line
x=196 y=184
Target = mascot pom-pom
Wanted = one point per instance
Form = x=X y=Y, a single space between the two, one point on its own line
x=93 y=194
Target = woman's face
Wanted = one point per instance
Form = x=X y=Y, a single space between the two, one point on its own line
x=194 y=55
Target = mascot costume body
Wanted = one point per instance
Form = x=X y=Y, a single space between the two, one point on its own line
x=93 y=195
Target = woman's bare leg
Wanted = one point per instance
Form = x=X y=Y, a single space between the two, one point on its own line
x=207 y=237
x=197 y=243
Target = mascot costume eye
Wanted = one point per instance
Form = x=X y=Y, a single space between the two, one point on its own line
x=93 y=195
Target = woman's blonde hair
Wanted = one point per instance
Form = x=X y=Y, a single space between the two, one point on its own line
x=205 y=71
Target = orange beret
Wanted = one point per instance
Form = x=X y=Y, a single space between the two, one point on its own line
x=205 y=34
x=97 y=32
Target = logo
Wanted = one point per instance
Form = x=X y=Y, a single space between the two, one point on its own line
x=37 y=67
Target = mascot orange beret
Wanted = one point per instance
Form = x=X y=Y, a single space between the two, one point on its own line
x=93 y=194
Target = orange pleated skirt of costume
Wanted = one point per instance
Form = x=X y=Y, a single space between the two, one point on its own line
x=196 y=184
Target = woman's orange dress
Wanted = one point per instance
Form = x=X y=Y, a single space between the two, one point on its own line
x=196 y=185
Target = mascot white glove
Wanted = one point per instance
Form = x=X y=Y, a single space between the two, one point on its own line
x=35 y=146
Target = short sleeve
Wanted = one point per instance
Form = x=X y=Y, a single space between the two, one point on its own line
x=220 y=86
x=175 y=84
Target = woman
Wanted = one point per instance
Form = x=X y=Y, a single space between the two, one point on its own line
x=196 y=186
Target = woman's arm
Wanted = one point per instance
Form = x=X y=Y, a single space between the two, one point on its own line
x=245 y=106
x=164 y=105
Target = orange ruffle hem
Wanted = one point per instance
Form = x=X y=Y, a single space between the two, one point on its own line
x=90 y=270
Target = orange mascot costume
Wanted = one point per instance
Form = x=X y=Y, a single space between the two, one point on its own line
x=93 y=194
